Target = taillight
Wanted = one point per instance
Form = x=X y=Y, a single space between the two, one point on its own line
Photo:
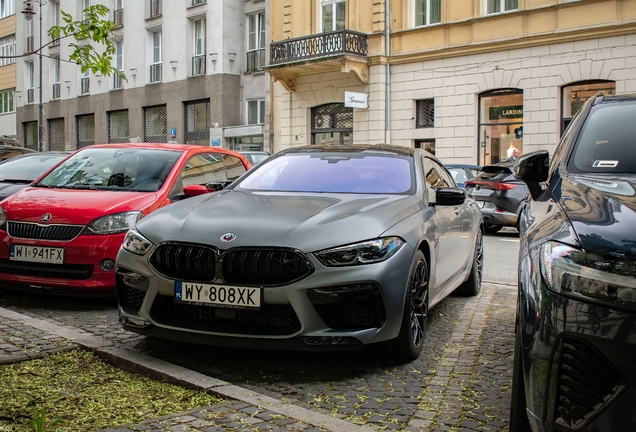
x=499 y=186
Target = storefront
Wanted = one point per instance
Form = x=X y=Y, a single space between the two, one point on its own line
x=500 y=125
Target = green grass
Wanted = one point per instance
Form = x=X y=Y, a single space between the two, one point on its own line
x=84 y=393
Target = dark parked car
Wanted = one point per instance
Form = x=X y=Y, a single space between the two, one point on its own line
x=359 y=242
x=575 y=350
x=9 y=151
x=499 y=195
x=462 y=173
x=255 y=157
x=19 y=171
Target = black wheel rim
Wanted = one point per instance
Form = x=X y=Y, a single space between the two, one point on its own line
x=419 y=303
x=479 y=257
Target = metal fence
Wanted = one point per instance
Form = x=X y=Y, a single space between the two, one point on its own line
x=320 y=45
x=425 y=113
x=197 y=122
x=85 y=130
x=56 y=135
x=255 y=60
x=156 y=124
x=118 y=126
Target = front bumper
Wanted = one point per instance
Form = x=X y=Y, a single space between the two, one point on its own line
x=80 y=273
x=291 y=316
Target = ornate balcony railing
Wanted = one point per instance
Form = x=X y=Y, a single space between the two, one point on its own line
x=255 y=60
x=318 y=46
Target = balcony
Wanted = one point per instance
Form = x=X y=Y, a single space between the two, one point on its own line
x=29 y=44
x=198 y=64
x=155 y=8
x=30 y=95
x=55 y=93
x=155 y=72
x=118 y=17
x=341 y=50
x=85 y=85
x=255 y=60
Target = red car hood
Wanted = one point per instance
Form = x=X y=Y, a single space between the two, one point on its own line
x=72 y=206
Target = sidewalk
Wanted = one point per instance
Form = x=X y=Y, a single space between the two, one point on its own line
x=24 y=338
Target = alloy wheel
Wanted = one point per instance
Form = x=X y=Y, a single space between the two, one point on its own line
x=419 y=303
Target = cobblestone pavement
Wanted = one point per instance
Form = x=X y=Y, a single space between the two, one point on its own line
x=461 y=381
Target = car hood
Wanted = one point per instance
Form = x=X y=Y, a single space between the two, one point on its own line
x=8 y=189
x=305 y=221
x=602 y=211
x=72 y=206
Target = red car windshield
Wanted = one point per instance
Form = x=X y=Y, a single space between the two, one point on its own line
x=332 y=172
x=132 y=169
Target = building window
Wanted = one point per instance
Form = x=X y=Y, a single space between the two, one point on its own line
x=575 y=95
x=7 y=50
x=500 y=125
x=428 y=12
x=155 y=67
x=425 y=113
x=29 y=36
x=85 y=130
x=119 y=64
x=333 y=15
x=256 y=42
x=332 y=124
x=252 y=143
x=118 y=13
x=256 y=111
x=31 y=135
x=7 y=8
x=86 y=4
x=155 y=8
x=6 y=101
x=56 y=21
x=85 y=83
x=198 y=60
x=156 y=124
x=496 y=6
x=56 y=135
x=55 y=89
x=197 y=122
x=118 y=126
x=426 y=144
x=30 y=80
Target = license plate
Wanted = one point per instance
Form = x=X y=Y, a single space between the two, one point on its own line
x=39 y=254
x=218 y=295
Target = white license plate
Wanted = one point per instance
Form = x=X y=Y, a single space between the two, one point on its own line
x=218 y=295
x=39 y=254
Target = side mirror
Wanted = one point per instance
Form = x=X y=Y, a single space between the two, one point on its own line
x=533 y=168
x=194 y=190
x=450 y=196
x=217 y=186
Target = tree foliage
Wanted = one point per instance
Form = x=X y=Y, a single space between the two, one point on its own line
x=91 y=29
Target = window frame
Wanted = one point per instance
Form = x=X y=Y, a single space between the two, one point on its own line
x=428 y=13
x=260 y=111
x=502 y=7
x=334 y=11
x=7 y=8
x=7 y=49
x=7 y=99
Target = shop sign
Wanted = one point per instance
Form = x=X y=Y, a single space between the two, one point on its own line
x=505 y=112
x=356 y=100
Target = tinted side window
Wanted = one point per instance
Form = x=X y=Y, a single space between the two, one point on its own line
x=204 y=169
x=435 y=177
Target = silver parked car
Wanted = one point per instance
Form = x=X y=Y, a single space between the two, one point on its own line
x=316 y=248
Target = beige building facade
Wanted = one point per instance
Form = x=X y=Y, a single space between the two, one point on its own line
x=469 y=80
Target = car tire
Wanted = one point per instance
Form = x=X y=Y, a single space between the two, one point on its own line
x=472 y=285
x=492 y=229
x=408 y=344
x=518 y=417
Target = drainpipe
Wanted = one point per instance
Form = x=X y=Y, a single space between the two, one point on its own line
x=387 y=77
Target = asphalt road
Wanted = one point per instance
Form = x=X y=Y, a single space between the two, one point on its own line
x=461 y=381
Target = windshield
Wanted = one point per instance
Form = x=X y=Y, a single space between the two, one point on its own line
x=332 y=172
x=607 y=142
x=28 y=168
x=130 y=169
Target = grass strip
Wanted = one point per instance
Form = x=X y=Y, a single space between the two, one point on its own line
x=83 y=392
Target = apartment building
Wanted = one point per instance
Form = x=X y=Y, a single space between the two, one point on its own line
x=194 y=72
x=467 y=79
x=7 y=68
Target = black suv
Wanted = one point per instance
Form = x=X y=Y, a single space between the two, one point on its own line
x=575 y=353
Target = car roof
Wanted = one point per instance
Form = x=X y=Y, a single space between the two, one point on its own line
x=161 y=146
x=355 y=148
x=477 y=167
x=629 y=97
x=16 y=149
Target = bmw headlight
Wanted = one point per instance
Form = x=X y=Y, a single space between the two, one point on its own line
x=135 y=243
x=589 y=275
x=3 y=219
x=114 y=223
x=368 y=252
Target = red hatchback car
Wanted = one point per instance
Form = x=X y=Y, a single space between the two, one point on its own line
x=63 y=232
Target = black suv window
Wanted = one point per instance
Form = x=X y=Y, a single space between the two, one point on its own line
x=494 y=173
x=606 y=142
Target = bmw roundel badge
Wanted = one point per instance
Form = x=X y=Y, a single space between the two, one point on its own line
x=228 y=237
x=46 y=217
